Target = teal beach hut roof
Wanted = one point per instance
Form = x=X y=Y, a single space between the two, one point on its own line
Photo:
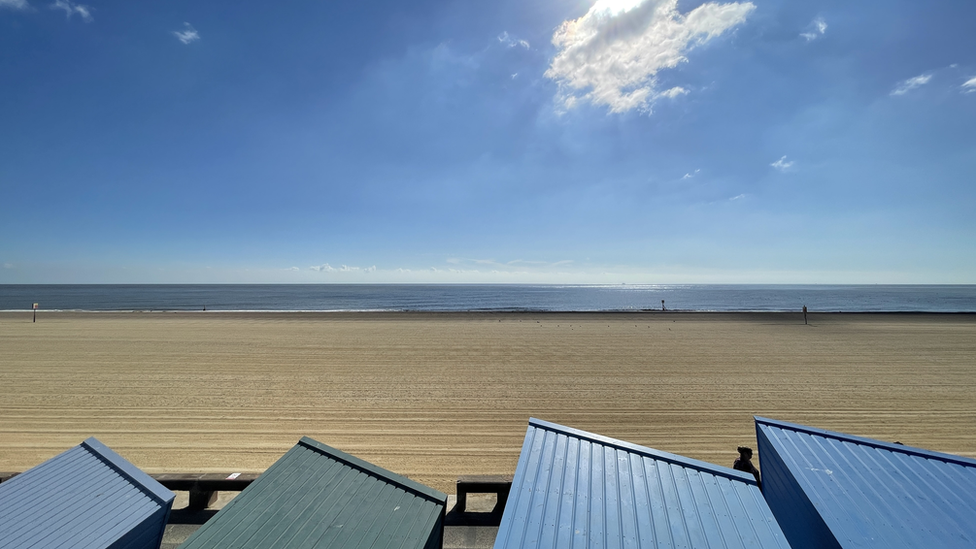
x=317 y=496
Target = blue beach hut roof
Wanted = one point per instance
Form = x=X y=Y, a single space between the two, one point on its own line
x=86 y=497
x=574 y=489
x=832 y=490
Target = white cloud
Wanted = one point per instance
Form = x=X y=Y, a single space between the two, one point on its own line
x=326 y=268
x=970 y=85
x=738 y=196
x=818 y=28
x=14 y=4
x=612 y=55
x=910 y=84
x=188 y=34
x=506 y=264
x=691 y=174
x=511 y=41
x=294 y=269
x=782 y=164
x=70 y=8
x=673 y=92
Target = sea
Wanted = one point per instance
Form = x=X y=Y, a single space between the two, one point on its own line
x=484 y=297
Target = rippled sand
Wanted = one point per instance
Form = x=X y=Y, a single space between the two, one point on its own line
x=433 y=396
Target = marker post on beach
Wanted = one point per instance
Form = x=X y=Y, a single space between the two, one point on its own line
x=36 y=305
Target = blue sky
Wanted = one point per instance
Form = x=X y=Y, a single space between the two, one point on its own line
x=663 y=141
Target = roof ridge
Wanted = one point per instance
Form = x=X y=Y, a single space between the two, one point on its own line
x=126 y=469
x=865 y=441
x=363 y=465
x=661 y=455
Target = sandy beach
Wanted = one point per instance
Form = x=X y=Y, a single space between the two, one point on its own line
x=432 y=396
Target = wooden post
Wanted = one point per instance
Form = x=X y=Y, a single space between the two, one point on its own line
x=35 y=312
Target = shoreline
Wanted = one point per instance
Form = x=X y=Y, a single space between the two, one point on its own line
x=407 y=313
x=530 y=298
x=436 y=395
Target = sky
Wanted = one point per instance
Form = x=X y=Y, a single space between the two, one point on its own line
x=511 y=141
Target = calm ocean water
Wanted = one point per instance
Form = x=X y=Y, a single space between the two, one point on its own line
x=394 y=297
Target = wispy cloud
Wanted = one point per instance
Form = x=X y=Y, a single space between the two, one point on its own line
x=782 y=164
x=611 y=56
x=910 y=84
x=738 y=196
x=460 y=260
x=511 y=41
x=969 y=86
x=188 y=34
x=70 y=8
x=671 y=93
x=817 y=29
x=506 y=265
x=689 y=175
x=14 y=4
x=326 y=268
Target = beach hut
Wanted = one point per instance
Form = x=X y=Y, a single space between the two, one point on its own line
x=86 y=497
x=317 y=496
x=574 y=489
x=830 y=490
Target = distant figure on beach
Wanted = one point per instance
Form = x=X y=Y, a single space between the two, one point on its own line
x=744 y=463
x=662 y=305
x=804 y=314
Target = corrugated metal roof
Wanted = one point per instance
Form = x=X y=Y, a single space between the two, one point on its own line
x=86 y=497
x=829 y=489
x=317 y=496
x=574 y=489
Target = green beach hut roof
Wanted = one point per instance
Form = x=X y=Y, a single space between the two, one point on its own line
x=317 y=496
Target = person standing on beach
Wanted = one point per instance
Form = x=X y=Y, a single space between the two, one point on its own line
x=744 y=463
x=804 y=314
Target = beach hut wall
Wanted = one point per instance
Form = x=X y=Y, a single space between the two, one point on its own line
x=86 y=497
x=832 y=490
x=574 y=489
x=317 y=496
